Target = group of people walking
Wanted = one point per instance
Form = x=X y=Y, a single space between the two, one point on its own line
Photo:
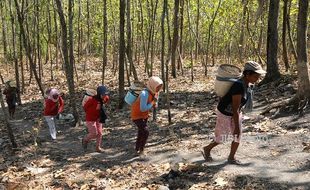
x=228 y=112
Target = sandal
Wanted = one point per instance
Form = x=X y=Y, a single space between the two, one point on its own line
x=234 y=162
x=207 y=158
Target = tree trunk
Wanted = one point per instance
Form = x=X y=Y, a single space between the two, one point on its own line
x=242 y=36
x=27 y=47
x=197 y=30
x=4 y=40
x=175 y=37
x=302 y=61
x=14 y=53
x=129 y=40
x=272 y=43
x=209 y=35
x=180 y=66
x=22 y=89
x=68 y=55
x=289 y=33
x=121 y=79
x=105 y=39
x=190 y=39
x=162 y=56
x=284 y=47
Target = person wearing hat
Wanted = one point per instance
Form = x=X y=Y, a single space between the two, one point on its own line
x=228 y=122
x=95 y=117
x=53 y=106
x=10 y=92
x=140 y=110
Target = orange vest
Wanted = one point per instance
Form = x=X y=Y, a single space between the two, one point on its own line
x=136 y=113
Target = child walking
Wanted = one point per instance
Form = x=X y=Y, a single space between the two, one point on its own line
x=53 y=106
x=95 y=117
x=10 y=93
x=140 y=110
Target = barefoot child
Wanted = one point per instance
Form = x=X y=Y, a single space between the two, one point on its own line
x=140 y=110
x=228 y=122
x=95 y=117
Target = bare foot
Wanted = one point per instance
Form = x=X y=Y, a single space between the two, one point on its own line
x=99 y=150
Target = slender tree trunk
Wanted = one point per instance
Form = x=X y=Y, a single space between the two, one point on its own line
x=105 y=39
x=175 y=37
x=38 y=45
x=129 y=42
x=272 y=43
x=197 y=47
x=68 y=55
x=242 y=36
x=162 y=57
x=210 y=29
x=27 y=47
x=289 y=33
x=121 y=80
x=284 y=47
x=4 y=40
x=22 y=89
x=80 y=32
x=180 y=66
x=190 y=39
x=302 y=61
x=15 y=53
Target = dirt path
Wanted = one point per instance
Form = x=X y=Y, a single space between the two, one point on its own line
x=271 y=152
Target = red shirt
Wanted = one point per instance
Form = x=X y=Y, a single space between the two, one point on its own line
x=92 y=109
x=52 y=108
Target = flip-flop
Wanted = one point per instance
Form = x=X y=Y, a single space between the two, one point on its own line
x=234 y=162
x=207 y=158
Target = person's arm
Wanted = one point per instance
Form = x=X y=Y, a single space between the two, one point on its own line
x=144 y=106
x=60 y=105
x=236 y=101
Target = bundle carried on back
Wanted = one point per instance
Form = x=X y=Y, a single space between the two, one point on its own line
x=225 y=77
x=87 y=94
x=133 y=92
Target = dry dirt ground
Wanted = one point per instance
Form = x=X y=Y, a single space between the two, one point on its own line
x=273 y=152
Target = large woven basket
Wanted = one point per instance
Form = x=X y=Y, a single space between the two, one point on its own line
x=226 y=74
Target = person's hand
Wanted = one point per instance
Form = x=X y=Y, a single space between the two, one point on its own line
x=106 y=99
x=154 y=103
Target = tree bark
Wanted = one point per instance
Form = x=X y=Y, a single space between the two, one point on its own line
x=129 y=40
x=15 y=53
x=209 y=35
x=27 y=47
x=105 y=40
x=272 y=43
x=284 y=46
x=121 y=74
x=175 y=37
x=302 y=60
x=197 y=46
x=68 y=61
x=4 y=40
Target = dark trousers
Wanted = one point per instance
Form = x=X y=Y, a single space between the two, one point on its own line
x=143 y=133
x=11 y=106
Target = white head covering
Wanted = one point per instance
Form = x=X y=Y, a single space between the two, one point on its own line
x=53 y=92
x=153 y=83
